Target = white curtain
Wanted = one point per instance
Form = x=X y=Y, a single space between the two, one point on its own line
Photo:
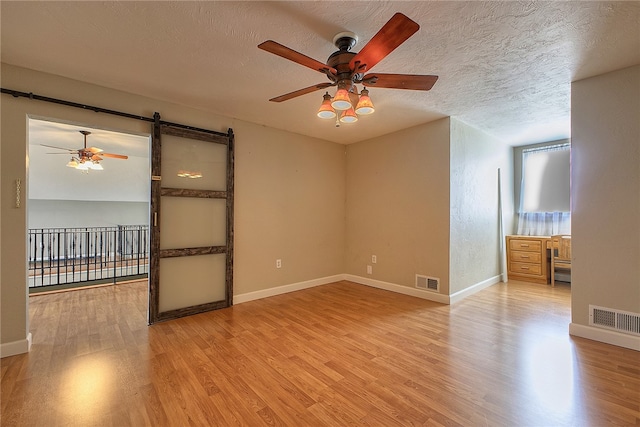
x=544 y=223
x=544 y=195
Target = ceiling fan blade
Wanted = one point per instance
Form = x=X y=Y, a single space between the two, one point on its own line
x=395 y=32
x=114 y=156
x=59 y=148
x=96 y=158
x=400 y=81
x=94 y=150
x=290 y=54
x=301 y=92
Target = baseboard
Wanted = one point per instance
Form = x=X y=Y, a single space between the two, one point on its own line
x=16 y=347
x=251 y=296
x=603 y=335
x=431 y=296
x=460 y=295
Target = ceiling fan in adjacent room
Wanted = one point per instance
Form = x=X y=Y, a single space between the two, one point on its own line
x=345 y=69
x=87 y=157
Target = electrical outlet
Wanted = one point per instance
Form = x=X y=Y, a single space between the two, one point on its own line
x=278 y=263
x=374 y=259
x=369 y=269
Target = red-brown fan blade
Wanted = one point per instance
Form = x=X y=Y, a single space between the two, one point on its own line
x=292 y=55
x=301 y=92
x=94 y=150
x=114 y=156
x=400 y=81
x=391 y=35
x=96 y=158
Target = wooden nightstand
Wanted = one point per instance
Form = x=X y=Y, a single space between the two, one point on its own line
x=527 y=258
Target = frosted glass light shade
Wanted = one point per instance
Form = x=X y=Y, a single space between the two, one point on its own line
x=72 y=163
x=341 y=101
x=348 y=116
x=326 y=111
x=82 y=166
x=365 y=106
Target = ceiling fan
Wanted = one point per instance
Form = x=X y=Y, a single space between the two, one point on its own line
x=345 y=69
x=86 y=157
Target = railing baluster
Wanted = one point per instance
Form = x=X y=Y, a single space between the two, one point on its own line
x=57 y=239
x=115 y=256
x=139 y=231
x=56 y=254
x=95 y=253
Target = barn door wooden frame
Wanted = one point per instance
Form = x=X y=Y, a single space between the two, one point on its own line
x=158 y=191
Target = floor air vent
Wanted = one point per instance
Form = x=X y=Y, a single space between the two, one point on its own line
x=621 y=321
x=427 y=283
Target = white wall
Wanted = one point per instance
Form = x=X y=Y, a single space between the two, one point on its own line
x=75 y=213
x=475 y=237
x=605 y=194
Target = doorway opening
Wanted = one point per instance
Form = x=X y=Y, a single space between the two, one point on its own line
x=88 y=206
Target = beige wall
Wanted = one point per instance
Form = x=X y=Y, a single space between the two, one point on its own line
x=290 y=205
x=475 y=236
x=290 y=200
x=605 y=193
x=398 y=205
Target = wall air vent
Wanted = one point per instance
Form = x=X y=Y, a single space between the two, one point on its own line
x=617 y=320
x=427 y=283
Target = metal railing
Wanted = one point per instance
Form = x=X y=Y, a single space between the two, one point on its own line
x=59 y=256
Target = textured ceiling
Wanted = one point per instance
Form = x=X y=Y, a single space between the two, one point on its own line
x=504 y=67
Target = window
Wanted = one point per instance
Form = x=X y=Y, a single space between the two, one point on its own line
x=545 y=191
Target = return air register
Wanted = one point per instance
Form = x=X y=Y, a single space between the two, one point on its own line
x=427 y=283
x=617 y=320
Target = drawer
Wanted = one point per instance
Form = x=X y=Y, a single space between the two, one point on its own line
x=524 y=268
x=534 y=257
x=525 y=245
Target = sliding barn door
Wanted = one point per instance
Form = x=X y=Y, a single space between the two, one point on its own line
x=191 y=257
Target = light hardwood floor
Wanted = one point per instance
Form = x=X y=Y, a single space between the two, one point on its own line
x=335 y=355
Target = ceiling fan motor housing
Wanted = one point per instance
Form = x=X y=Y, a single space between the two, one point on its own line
x=345 y=40
x=341 y=58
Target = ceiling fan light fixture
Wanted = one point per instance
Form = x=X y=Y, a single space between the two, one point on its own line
x=82 y=166
x=326 y=111
x=189 y=174
x=341 y=101
x=348 y=116
x=365 y=105
x=346 y=69
x=72 y=163
x=95 y=166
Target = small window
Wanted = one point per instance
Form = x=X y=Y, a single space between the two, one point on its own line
x=545 y=191
x=545 y=179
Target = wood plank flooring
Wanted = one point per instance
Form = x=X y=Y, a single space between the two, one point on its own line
x=334 y=355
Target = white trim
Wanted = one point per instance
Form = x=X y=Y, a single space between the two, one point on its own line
x=460 y=295
x=431 y=296
x=265 y=293
x=16 y=347
x=606 y=336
